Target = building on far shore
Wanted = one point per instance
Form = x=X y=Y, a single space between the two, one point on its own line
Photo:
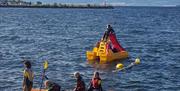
x=3 y=2
x=15 y=2
x=39 y=4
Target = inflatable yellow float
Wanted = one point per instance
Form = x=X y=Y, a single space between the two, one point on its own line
x=107 y=49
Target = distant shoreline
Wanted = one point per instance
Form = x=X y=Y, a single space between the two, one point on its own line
x=44 y=6
x=80 y=6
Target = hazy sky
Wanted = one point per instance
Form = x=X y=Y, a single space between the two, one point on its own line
x=119 y=2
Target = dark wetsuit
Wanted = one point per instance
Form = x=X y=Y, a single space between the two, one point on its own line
x=107 y=32
x=80 y=85
x=53 y=87
x=28 y=76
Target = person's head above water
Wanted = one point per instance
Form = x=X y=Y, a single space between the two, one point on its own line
x=47 y=83
x=27 y=64
x=108 y=26
x=96 y=74
x=76 y=74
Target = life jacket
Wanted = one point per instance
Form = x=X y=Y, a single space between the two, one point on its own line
x=96 y=83
x=29 y=76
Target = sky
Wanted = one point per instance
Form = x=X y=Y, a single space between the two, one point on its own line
x=119 y=2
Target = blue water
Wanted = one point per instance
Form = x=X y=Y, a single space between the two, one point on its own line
x=62 y=36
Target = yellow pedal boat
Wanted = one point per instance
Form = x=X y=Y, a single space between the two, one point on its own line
x=105 y=55
x=108 y=49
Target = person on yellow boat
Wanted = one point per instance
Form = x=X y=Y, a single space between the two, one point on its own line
x=80 y=86
x=51 y=86
x=110 y=35
x=107 y=32
x=28 y=77
x=95 y=83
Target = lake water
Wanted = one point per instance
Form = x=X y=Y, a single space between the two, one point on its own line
x=62 y=36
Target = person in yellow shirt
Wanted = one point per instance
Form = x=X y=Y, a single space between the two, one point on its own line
x=28 y=76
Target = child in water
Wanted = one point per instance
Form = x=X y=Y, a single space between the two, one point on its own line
x=28 y=77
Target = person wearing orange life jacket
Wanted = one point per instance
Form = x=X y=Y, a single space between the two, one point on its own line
x=95 y=84
x=28 y=77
